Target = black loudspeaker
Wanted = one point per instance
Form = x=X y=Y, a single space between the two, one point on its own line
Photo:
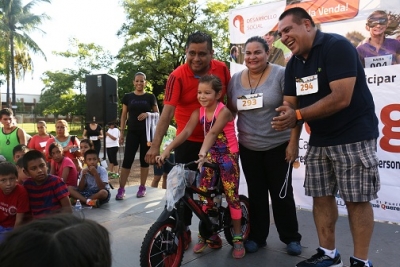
x=101 y=98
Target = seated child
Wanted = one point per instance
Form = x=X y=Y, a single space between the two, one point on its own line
x=19 y=151
x=14 y=201
x=62 y=166
x=93 y=188
x=20 y=169
x=47 y=193
x=61 y=240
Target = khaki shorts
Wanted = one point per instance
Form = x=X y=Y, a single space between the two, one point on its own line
x=351 y=168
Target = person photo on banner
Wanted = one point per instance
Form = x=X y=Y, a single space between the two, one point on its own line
x=378 y=50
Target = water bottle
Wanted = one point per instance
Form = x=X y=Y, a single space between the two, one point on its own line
x=78 y=205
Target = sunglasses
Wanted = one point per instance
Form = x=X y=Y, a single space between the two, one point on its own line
x=372 y=22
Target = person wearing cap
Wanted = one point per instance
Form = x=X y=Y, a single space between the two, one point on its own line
x=377 y=50
x=276 y=55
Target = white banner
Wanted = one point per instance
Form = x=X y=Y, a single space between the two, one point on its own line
x=384 y=83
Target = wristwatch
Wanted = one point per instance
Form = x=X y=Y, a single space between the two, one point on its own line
x=299 y=118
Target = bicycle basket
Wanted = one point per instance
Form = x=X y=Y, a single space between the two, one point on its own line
x=178 y=178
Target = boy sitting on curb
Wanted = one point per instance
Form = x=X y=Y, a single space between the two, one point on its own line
x=93 y=188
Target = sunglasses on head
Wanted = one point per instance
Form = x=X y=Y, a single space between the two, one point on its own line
x=372 y=22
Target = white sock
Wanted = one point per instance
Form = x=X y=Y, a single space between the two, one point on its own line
x=329 y=253
x=366 y=262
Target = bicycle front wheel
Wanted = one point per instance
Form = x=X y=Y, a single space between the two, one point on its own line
x=162 y=246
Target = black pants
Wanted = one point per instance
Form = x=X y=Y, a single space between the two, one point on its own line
x=112 y=155
x=134 y=139
x=265 y=171
x=188 y=151
x=97 y=146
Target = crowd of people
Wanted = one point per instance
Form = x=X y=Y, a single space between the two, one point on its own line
x=269 y=108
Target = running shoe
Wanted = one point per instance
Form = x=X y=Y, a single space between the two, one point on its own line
x=121 y=194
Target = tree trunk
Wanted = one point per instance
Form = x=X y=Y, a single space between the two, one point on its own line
x=12 y=70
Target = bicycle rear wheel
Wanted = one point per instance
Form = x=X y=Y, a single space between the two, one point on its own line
x=228 y=231
x=162 y=246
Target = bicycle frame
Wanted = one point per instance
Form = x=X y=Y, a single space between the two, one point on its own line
x=193 y=205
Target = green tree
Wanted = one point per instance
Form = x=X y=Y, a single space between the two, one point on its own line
x=57 y=93
x=16 y=22
x=155 y=35
x=87 y=58
x=65 y=92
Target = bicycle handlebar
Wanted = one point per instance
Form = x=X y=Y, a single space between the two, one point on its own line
x=191 y=163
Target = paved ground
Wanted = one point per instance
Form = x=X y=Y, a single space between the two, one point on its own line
x=129 y=220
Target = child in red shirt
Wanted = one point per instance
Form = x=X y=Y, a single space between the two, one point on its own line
x=14 y=201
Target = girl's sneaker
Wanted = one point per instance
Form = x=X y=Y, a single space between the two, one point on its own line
x=238 y=247
x=200 y=246
x=214 y=242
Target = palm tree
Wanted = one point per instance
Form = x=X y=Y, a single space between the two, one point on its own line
x=16 y=22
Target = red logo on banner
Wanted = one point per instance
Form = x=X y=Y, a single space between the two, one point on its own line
x=387 y=130
x=239 y=19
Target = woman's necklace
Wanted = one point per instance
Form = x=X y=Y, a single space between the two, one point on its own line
x=248 y=76
x=205 y=120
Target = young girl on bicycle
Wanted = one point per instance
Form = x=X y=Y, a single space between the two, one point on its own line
x=220 y=146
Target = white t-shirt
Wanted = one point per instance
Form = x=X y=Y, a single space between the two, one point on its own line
x=112 y=143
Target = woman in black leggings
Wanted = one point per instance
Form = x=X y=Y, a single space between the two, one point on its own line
x=137 y=104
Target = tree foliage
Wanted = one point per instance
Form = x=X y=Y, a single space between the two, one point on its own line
x=155 y=35
x=65 y=92
x=16 y=23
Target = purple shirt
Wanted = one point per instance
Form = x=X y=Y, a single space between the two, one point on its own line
x=389 y=47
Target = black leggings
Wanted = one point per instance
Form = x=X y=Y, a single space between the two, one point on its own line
x=134 y=139
x=112 y=155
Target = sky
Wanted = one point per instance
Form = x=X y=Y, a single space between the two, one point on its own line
x=90 y=21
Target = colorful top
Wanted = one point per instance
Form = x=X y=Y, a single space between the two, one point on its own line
x=181 y=92
x=226 y=141
x=7 y=143
x=15 y=202
x=66 y=162
x=45 y=198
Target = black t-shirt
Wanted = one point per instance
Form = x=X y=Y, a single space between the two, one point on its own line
x=331 y=58
x=90 y=132
x=138 y=104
